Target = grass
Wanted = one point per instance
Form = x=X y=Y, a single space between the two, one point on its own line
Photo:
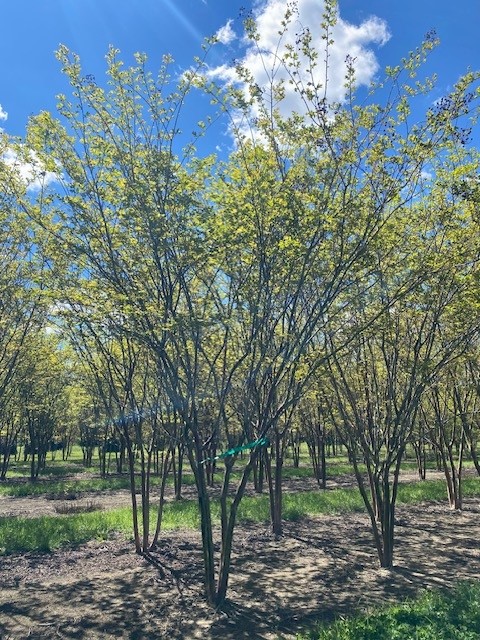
x=434 y=490
x=53 y=487
x=453 y=615
x=302 y=504
x=48 y=532
x=52 y=532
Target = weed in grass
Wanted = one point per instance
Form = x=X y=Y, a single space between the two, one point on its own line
x=69 y=509
x=292 y=514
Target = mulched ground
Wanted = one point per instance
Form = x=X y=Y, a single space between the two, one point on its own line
x=322 y=567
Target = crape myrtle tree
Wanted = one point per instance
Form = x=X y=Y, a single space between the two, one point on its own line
x=227 y=273
x=379 y=382
x=126 y=384
x=472 y=425
x=127 y=230
x=11 y=424
x=308 y=206
x=449 y=415
x=376 y=391
x=20 y=299
x=314 y=428
x=42 y=396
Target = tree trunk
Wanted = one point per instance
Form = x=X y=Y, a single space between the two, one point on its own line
x=259 y=472
x=275 y=486
x=178 y=472
x=208 y=550
x=166 y=464
x=421 y=458
x=229 y=518
x=133 y=495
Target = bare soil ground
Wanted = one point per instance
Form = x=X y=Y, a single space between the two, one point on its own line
x=321 y=568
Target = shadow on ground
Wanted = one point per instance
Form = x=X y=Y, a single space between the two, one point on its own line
x=321 y=568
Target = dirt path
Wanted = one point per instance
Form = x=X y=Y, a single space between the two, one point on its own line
x=321 y=568
x=36 y=506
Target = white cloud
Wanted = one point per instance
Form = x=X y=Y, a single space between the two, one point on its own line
x=3 y=116
x=30 y=171
x=226 y=34
x=262 y=59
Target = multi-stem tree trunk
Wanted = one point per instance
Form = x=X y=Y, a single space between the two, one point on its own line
x=474 y=454
x=380 y=503
x=453 y=473
x=259 y=471
x=8 y=445
x=228 y=520
x=165 y=468
x=296 y=444
x=275 y=480
x=449 y=416
x=418 y=442
x=177 y=470
x=316 y=448
x=195 y=451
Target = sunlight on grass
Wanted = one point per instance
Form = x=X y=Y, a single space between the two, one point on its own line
x=453 y=615
x=48 y=532
x=63 y=486
x=51 y=532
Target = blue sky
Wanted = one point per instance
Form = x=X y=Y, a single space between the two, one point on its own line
x=378 y=32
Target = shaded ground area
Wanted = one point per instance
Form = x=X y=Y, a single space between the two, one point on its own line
x=322 y=567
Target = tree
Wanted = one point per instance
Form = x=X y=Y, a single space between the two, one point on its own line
x=42 y=393
x=228 y=276
x=378 y=384
x=21 y=304
x=448 y=414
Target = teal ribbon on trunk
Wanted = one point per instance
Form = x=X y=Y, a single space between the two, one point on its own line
x=232 y=452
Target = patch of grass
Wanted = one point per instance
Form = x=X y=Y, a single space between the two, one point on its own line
x=298 y=472
x=41 y=487
x=434 y=490
x=336 y=501
x=425 y=490
x=49 y=532
x=61 y=468
x=184 y=514
x=54 y=486
x=433 y=616
x=254 y=509
x=302 y=504
x=334 y=468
